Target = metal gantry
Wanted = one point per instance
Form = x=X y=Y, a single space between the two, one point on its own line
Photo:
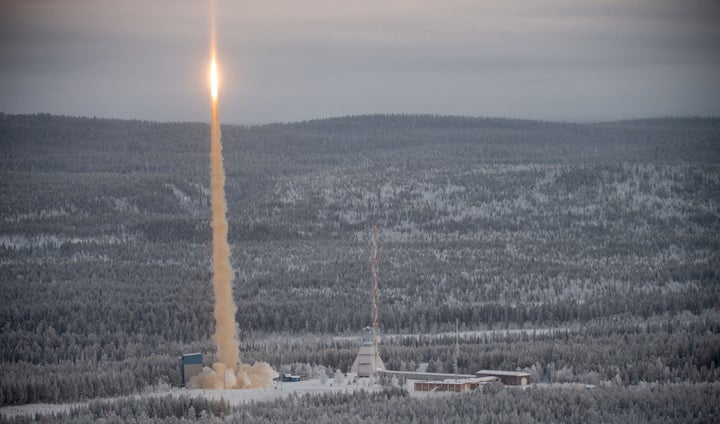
x=375 y=293
x=368 y=361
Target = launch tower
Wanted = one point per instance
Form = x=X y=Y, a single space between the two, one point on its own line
x=368 y=361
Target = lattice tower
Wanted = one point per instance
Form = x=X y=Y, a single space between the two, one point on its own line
x=375 y=292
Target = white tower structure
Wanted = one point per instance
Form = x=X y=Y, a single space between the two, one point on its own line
x=368 y=361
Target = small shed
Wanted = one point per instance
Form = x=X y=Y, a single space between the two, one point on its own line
x=510 y=378
x=190 y=364
x=290 y=378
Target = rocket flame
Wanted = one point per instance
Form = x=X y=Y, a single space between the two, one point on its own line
x=213 y=78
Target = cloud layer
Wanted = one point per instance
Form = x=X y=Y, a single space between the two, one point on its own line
x=284 y=60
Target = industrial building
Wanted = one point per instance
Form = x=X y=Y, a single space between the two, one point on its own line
x=190 y=365
x=510 y=378
x=453 y=385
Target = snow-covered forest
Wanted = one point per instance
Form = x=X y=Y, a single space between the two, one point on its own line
x=598 y=243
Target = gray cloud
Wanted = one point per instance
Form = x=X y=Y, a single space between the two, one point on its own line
x=287 y=60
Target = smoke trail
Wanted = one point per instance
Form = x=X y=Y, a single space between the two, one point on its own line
x=229 y=372
x=226 y=328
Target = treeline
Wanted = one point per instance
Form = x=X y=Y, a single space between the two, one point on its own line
x=84 y=379
x=651 y=403
x=77 y=293
x=180 y=409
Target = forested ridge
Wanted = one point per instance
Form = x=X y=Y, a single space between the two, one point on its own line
x=608 y=234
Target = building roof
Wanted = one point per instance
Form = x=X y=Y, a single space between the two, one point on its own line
x=504 y=373
x=469 y=380
x=192 y=358
x=453 y=381
x=415 y=375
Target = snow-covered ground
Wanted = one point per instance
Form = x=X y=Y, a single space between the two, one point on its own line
x=234 y=397
x=312 y=386
x=237 y=397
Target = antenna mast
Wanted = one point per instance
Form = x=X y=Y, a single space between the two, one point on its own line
x=457 y=345
x=368 y=361
x=375 y=293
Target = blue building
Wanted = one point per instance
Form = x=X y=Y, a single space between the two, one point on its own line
x=190 y=364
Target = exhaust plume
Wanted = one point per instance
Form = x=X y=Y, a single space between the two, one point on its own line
x=228 y=372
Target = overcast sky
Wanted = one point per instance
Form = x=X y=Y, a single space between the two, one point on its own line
x=288 y=60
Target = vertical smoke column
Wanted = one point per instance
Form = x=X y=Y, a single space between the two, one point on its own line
x=226 y=328
x=229 y=372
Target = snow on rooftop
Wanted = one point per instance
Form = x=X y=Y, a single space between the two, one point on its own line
x=506 y=373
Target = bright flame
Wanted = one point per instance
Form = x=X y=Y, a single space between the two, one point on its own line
x=213 y=79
